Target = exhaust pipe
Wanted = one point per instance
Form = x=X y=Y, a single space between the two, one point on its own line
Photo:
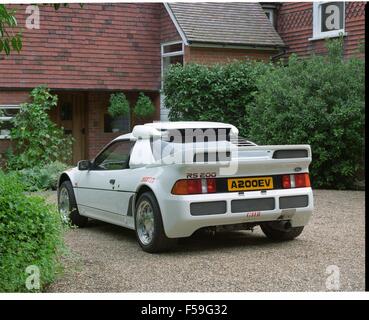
x=281 y=225
x=287 y=225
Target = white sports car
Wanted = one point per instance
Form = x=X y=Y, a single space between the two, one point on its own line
x=166 y=180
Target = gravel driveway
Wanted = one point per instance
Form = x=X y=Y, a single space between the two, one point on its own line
x=107 y=258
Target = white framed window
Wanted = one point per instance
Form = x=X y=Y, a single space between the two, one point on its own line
x=7 y=112
x=328 y=19
x=270 y=15
x=171 y=53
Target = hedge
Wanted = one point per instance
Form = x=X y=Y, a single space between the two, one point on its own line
x=318 y=100
x=30 y=235
x=217 y=93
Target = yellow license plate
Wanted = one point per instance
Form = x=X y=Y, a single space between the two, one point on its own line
x=247 y=184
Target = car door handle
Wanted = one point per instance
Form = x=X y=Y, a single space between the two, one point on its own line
x=112 y=181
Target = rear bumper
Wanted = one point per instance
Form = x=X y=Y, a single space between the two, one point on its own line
x=179 y=222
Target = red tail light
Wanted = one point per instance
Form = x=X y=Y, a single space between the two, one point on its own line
x=180 y=187
x=286 y=181
x=211 y=184
x=194 y=186
x=300 y=180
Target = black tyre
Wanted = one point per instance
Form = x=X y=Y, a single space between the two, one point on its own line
x=149 y=225
x=278 y=234
x=68 y=207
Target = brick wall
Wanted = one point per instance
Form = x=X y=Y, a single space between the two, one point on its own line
x=168 y=31
x=99 y=46
x=222 y=55
x=295 y=26
x=98 y=103
x=13 y=97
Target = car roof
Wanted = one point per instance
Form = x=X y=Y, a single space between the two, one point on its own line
x=167 y=125
x=187 y=124
x=127 y=136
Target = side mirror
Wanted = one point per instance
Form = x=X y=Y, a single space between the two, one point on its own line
x=84 y=165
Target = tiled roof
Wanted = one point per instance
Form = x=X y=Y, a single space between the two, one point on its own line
x=236 y=23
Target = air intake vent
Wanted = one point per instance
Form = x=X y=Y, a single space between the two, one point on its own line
x=207 y=208
x=242 y=142
x=212 y=156
x=293 y=202
x=252 y=205
x=288 y=154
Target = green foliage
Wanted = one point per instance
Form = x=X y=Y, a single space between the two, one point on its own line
x=317 y=101
x=361 y=47
x=37 y=141
x=119 y=105
x=144 y=107
x=220 y=92
x=42 y=178
x=30 y=234
x=8 y=39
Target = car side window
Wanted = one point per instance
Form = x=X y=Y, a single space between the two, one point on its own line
x=114 y=157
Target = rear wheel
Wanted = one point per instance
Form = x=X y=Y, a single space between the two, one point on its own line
x=277 y=234
x=68 y=207
x=149 y=225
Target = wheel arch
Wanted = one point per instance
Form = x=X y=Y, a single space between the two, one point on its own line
x=164 y=242
x=63 y=177
x=142 y=189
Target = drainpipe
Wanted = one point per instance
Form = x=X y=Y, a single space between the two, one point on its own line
x=279 y=54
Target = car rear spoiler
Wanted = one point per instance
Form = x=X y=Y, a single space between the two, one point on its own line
x=242 y=155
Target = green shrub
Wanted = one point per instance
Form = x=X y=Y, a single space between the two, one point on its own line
x=42 y=178
x=220 y=92
x=119 y=105
x=317 y=101
x=30 y=234
x=36 y=139
x=144 y=107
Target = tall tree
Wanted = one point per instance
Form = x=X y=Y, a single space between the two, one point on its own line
x=8 y=38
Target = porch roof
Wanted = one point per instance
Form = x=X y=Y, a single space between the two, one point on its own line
x=233 y=23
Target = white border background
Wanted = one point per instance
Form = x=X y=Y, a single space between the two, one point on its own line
x=177 y=295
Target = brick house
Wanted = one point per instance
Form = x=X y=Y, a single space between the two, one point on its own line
x=300 y=25
x=85 y=54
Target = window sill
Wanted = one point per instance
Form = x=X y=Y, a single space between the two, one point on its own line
x=4 y=137
x=326 y=36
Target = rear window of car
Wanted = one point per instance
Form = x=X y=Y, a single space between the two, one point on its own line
x=197 y=135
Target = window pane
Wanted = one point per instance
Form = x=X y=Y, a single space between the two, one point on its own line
x=5 y=127
x=115 y=157
x=176 y=59
x=332 y=16
x=167 y=61
x=173 y=48
x=118 y=124
x=8 y=111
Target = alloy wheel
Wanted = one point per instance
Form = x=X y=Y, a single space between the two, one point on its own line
x=145 y=222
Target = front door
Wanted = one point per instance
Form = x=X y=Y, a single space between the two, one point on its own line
x=100 y=191
x=71 y=115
